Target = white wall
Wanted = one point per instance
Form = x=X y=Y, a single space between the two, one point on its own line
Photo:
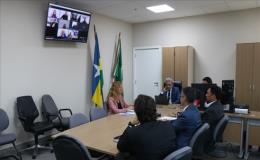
x=32 y=66
x=214 y=38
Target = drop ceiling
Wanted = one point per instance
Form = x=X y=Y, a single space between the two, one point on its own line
x=134 y=11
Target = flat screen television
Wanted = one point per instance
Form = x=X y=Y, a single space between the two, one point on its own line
x=67 y=24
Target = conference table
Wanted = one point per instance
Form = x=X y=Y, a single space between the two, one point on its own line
x=98 y=135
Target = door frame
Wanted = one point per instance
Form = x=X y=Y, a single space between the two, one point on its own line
x=134 y=63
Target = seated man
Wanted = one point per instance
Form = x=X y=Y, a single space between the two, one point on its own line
x=171 y=92
x=214 y=111
x=189 y=120
x=151 y=139
x=207 y=80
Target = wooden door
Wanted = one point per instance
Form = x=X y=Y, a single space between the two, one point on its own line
x=244 y=73
x=168 y=62
x=256 y=79
x=181 y=65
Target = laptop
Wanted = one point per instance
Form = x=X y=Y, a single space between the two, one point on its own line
x=161 y=99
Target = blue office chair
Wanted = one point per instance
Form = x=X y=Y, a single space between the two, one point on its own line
x=184 y=153
x=97 y=113
x=69 y=148
x=7 y=138
x=77 y=120
x=217 y=137
x=199 y=139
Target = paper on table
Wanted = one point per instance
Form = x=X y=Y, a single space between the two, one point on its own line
x=166 y=118
x=128 y=113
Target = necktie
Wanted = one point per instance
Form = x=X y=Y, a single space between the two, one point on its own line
x=168 y=94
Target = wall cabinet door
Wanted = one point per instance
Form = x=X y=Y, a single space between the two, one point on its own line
x=244 y=73
x=168 y=62
x=256 y=79
x=181 y=64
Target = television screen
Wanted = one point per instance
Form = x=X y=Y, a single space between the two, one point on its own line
x=67 y=24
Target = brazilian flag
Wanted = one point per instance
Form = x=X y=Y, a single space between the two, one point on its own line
x=97 y=76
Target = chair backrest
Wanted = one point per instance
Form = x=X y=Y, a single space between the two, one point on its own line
x=178 y=84
x=49 y=109
x=184 y=153
x=4 y=120
x=27 y=111
x=97 y=113
x=77 y=119
x=199 y=138
x=220 y=127
x=69 y=148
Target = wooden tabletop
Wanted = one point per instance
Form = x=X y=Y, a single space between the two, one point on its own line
x=98 y=135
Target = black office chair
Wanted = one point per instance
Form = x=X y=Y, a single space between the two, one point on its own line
x=27 y=113
x=52 y=114
x=69 y=148
x=198 y=140
x=178 y=84
x=7 y=138
x=184 y=153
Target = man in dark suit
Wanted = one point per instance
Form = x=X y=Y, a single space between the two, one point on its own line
x=171 y=92
x=189 y=120
x=213 y=113
x=151 y=139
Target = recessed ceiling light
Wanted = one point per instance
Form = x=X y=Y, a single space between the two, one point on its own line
x=160 y=8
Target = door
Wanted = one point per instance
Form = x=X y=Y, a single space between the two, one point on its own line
x=244 y=73
x=147 y=71
x=256 y=79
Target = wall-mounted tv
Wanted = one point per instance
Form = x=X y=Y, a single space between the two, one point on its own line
x=67 y=24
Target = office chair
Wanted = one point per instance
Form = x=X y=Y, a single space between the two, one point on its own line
x=52 y=114
x=184 y=153
x=178 y=84
x=7 y=138
x=77 y=120
x=69 y=148
x=217 y=136
x=198 y=140
x=27 y=113
x=97 y=113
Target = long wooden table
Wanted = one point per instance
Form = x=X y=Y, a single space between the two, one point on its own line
x=98 y=135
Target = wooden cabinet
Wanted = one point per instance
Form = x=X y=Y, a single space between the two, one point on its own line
x=178 y=64
x=247 y=87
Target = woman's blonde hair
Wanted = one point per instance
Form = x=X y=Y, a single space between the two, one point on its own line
x=113 y=92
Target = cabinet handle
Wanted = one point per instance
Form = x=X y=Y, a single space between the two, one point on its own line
x=250 y=87
x=253 y=87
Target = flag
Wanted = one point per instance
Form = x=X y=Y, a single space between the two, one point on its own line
x=97 y=75
x=118 y=73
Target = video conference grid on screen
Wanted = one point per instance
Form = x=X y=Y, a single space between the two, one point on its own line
x=67 y=24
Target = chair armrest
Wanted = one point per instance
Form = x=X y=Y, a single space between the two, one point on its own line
x=22 y=118
x=65 y=109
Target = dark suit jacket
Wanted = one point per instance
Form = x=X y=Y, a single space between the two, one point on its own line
x=148 y=141
x=213 y=114
x=175 y=96
x=186 y=124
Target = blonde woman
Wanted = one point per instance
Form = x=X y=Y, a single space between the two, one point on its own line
x=115 y=100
